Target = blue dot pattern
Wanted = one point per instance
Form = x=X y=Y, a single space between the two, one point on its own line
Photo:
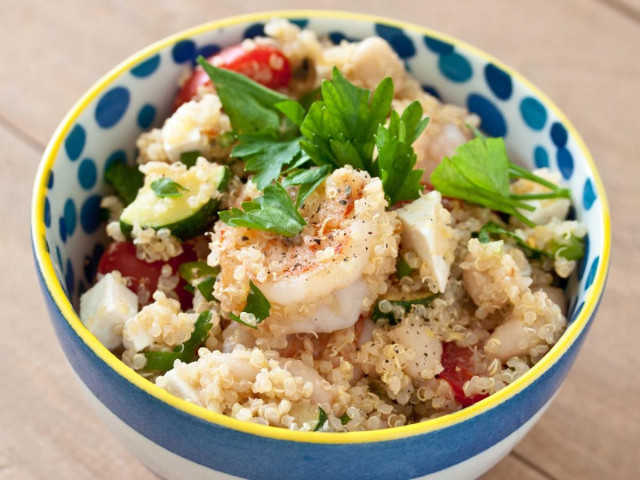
x=499 y=81
x=565 y=163
x=492 y=93
x=87 y=174
x=398 y=40
x=540 y=157
x=455 y=67
x=112 y=107
x=437 y=46
x=431 y=91
x=69 y=278
x=558 y=135
x=146 y=115
x=208 y=50
x=74 y=143
x=592 y=273
x=90 y=214
x=533 y=113
x=146 y=68
x=183 y=51
x=255 y=30
x=62 y=229
x=47 y=212
x=338 y=37
x=70 y=216
x=493 y=123
x=588 y=195
x=300 y=22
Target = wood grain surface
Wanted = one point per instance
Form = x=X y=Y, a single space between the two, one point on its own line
x=583 y=53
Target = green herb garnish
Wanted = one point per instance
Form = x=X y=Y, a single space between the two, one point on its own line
x=273 y=212
x=396 y=157
x=322 y=418
x=343 y=128
x=190 y=158
x=163 y=361
x=257 y=305
x=569 y=247
x=492 y=228
x=307 y=180
x=126 y=180
x=403 y=269
x=250 y=106
x=207 y=275
x=266 y=155
x=167 y=188
x=480 y=172
x=344 y=419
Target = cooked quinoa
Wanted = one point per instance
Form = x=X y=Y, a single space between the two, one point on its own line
x=380 y=315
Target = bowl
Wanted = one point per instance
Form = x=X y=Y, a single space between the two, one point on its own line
x=177 y=439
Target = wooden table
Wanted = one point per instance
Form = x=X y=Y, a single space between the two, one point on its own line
x=583 y=53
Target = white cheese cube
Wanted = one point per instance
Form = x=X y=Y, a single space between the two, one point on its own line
x=106 y=306
x=545 y=209
x=426 y=229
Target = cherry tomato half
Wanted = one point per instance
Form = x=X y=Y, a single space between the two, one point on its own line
x=457 y=365
x=121 y=256
x=263 y=64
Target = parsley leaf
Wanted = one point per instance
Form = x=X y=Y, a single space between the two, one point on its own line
x=340 y=129
x=191 y=271
x=250 y=106
x=163 y=361
x=322 y=418
x=396 y=157
x=266 y=155
x=492 y=228
x=257 y=305
x=344 y=419
x=165 y=187
x=569 y=247
x=190 y=158
x=273 y=212
x=480 y=172
x=292 y=110
x=126 y=180
x=308 y=180
x=403 y=269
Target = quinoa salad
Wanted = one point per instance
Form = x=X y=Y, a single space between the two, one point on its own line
x=311 y=241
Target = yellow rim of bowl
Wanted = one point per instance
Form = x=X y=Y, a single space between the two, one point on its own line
x=46 y=266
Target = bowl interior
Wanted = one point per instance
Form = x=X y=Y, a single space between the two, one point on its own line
x=137 y=95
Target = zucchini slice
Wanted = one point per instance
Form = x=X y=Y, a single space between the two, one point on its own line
x=186 y=215
x=404 y=300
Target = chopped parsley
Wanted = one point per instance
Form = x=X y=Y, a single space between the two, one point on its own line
x=403 y=269
x=322 y=418
x=273 y=212
x=378 y=314
x=480 y=172
x=190 y=158
x=307 y=180
x=569 y=247
x=257 y=306
x=167 y=188
x=185 y=352
x=206 y=275
x=344 y=419
x=126 y=180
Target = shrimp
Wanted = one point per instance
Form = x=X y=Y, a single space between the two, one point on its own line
x=323 y=279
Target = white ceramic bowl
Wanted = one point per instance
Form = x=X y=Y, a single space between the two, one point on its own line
x=180 y=440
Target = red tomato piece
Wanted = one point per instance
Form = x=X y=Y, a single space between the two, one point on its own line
x=121 y=256
x=263 y=64
x=457 y=365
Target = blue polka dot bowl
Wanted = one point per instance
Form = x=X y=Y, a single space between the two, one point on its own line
x=179 y=440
